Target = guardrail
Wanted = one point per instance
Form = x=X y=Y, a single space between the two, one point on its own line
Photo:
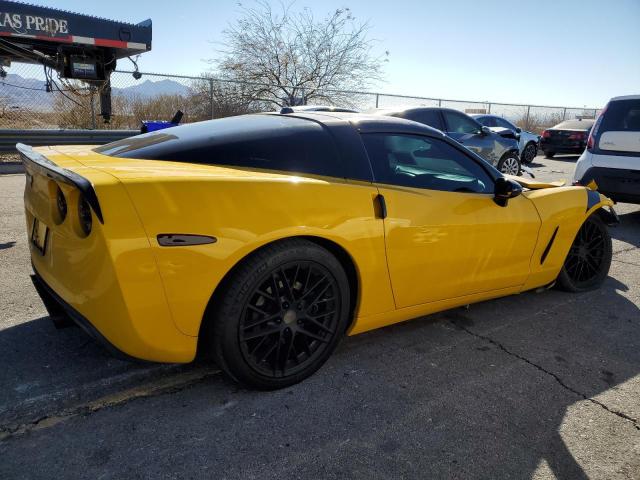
x=37 y=138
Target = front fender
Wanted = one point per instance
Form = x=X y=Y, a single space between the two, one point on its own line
x=562 y=212
x=596 y=202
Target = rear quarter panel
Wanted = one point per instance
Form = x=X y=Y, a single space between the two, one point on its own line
x=109 y=277
x=245 y=210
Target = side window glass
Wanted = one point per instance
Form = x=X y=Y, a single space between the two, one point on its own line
x=423 y=162
x=458 y=123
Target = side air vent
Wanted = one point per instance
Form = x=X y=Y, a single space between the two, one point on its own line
x=183 y=239
x=548 y=247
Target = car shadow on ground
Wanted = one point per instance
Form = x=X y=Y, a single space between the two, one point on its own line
x=482 y=392
x=47 y=369
x=564 y=158
x=6 y=245
x=629 y=229
x=534 y=164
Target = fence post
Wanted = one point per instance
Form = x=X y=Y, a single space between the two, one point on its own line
x=439 y=102
x=93 y=109
x=211 y=96
x=564 y=113
x=595 y=112
x=527 y=118
x=488 y=108
x=377 y=99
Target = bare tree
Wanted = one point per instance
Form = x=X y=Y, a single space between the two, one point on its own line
x=293 y=58
x=212 y=98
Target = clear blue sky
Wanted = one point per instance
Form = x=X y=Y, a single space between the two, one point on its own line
x=549 y=52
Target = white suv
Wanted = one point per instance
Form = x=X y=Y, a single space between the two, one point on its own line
x=612 y=157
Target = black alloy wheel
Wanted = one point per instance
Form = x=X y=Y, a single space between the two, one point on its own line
x=589 y=258
x=280 y=315
x=290 y=318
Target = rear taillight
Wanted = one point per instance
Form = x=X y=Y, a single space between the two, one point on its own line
x=594 y=130
x=577 y=136
x=546 y=134
x=84 y=216
x=61 y=204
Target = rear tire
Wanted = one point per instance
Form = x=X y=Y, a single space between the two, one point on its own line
x=589 y=259
x=509 y=164
x=548 y=154
x=280 y=315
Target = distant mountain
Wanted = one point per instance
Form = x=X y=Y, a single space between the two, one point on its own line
x=149 y=88
x=29 y=93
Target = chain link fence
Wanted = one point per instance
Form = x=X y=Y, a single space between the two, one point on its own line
x=26 y=102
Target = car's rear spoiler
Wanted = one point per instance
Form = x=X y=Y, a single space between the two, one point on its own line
x=32 y=159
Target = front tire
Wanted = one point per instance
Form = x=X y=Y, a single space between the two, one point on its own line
x=281 y=315
x=589 y=259
x=509 y=164
x=529 y=153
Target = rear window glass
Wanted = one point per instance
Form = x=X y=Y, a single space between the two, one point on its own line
x=575 y=125
x=428 y=117
x=622 y=115
x=270 y=142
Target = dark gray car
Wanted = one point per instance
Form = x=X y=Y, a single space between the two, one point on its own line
x=499 y=151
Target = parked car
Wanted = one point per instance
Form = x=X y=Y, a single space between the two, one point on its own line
x=500 y=152
x=316 y=108
x=263 y=239
x=569 y=136
x=527 y=141
x=612 y=156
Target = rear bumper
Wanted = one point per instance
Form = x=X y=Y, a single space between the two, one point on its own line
x=576 y=148
x=621 y=185
x=57 y=307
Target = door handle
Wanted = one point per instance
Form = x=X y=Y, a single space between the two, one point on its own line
x=380 y=206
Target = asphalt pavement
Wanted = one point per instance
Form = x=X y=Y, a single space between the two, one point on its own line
x=537 y=385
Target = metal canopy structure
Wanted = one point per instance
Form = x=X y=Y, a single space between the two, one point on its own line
x=76 y=46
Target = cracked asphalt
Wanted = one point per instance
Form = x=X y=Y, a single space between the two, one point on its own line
x=538 y=385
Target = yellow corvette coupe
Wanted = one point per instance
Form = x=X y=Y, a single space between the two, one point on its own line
x=263 y=239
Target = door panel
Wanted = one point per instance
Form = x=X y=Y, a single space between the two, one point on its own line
x=444 y=235
x=442 y=245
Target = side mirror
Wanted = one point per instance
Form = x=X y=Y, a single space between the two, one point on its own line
x=485 y=130
x=504 y=190
x=518 y=130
